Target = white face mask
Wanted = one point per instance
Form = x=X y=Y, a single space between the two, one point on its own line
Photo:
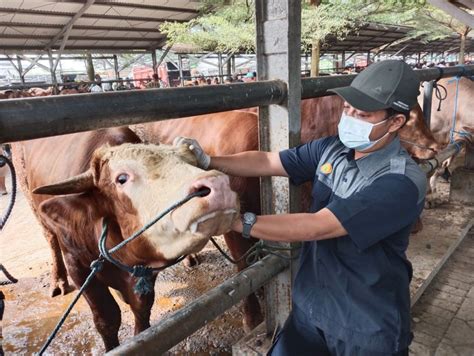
x=355 y=133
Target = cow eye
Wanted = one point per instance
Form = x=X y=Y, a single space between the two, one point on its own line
x=122 y=178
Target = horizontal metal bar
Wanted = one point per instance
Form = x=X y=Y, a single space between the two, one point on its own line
x=83 y=38
x=318 y=86
x=79 y=27
x=428 y=166
x=133 y=5
x=23 y=119
x=88 y=16
x=161 y=337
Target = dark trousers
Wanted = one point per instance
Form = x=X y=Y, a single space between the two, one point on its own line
x=299 y=337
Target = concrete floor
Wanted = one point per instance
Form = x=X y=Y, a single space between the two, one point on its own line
x=443 y=318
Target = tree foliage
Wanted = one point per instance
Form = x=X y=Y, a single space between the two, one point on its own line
x=228 y=25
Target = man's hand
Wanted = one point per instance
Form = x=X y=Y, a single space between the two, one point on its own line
x=202 y=158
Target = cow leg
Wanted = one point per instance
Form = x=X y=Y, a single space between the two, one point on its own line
x=59 y=283
x=105 y=310
x=252 y=311
x=140 y=305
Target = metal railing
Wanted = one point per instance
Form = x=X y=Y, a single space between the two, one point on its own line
x=30 y=118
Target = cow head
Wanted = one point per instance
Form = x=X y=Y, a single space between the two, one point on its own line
x=417 y=138
x=135 y=182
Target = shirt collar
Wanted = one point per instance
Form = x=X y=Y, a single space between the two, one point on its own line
x=370 y=164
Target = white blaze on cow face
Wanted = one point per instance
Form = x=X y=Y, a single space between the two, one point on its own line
x=153 y=178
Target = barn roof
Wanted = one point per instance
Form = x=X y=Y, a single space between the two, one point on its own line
x=368 y=37
x=95 y=25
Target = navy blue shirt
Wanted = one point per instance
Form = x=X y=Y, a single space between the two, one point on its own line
x=356 y=287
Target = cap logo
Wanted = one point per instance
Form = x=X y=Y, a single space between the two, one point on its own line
x=378 y=90
x=326 y=168
x=401 y=104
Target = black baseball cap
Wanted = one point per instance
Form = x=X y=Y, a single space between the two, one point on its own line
x=382 y=85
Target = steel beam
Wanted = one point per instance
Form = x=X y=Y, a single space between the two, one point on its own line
x=84 y=38
x=86 y=16
x=278 y=56
x=31 y=118
x=79 y=27
x=134 y=5
x=454 y=11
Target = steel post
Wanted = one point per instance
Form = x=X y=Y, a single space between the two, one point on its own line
x=116 y=70
x=427 y=101
x=153 y=60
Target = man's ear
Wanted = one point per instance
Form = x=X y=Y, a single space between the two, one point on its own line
x=397 y=122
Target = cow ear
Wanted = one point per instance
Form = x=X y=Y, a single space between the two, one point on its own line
x=69 y=213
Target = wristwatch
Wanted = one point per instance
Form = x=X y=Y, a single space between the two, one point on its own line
x=248 y=220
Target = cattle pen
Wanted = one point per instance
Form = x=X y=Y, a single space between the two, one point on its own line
x=278 y=94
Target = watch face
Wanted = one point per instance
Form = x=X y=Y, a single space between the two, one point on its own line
x=249 y=218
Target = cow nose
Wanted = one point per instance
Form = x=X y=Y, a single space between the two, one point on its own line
x=215 y=190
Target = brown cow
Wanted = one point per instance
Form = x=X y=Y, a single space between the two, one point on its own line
x=128 y=185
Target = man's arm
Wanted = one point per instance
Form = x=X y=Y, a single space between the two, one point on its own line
x=250 y=164
x=296 y=227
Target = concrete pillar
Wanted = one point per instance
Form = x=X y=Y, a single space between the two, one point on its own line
x=278 y=57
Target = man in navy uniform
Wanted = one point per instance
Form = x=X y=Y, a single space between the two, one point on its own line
x=351 y=292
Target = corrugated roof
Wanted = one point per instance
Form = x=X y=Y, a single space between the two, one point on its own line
x=449 y=44
x=100 y=25
x=366 y=38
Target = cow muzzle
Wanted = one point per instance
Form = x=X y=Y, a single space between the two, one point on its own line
x=211 y=214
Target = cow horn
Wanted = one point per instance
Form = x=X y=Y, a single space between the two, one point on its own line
x=73 y=185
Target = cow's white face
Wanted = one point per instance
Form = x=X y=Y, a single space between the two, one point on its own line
x=143 y=180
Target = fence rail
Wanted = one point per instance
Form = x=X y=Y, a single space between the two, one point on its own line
x=161 y=337
x=30 y=118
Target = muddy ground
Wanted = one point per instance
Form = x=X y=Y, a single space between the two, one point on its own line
x=31 y=314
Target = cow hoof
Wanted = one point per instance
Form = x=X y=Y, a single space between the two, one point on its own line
x=60 y=288
x=192 y=260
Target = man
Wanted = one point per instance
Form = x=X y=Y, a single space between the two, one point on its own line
x=155 y=83
x=351 y=292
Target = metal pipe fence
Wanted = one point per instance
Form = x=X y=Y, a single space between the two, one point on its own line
x=30 y=118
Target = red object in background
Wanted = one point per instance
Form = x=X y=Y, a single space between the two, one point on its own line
x=144 y=73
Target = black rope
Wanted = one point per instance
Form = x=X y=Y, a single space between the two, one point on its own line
x=11 y=279
x=4 y=160
x=96 y=266
x=439 y=95
x=256 y=252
